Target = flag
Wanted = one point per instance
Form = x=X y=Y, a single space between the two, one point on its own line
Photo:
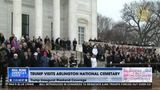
x=143 y=14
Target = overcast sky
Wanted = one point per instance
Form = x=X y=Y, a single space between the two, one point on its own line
x=112 y=8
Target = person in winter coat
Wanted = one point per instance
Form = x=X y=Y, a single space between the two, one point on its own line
x=3 y=64
x=72 y=61
x=64 y=60
x=93 y=61
x=2 y=39
x=87 y=60
x=14 y=43
x=95 y=51
x=15 y=62
x=35 y=61
x=74 y=44
x=44 y=60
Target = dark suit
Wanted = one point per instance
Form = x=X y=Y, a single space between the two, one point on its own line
x=3 y=65
x=74 y=45
x=68 y=45
x=87 y=61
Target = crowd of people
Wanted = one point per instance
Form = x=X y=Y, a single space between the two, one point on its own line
x=36 y=52
x=118 y=54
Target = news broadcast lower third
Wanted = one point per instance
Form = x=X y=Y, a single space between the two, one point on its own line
x=79 y=45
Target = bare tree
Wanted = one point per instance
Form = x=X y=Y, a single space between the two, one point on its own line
x=103 y=24
x=120 y=34
x=133 y=14
x=156 y=38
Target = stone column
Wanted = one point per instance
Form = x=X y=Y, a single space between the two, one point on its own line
x=39 y=18
x=72 y=21
x=17 y=18
x=56 y=19
x=94 y=19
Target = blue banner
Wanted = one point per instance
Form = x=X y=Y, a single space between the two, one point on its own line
x=18 y=75
x=79 y=75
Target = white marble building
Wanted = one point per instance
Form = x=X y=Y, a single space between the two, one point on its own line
x=55 y=18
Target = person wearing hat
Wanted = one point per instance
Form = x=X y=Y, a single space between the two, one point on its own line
x=15 y=62
x=35 y=61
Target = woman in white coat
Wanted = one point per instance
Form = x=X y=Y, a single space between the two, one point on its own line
x=95 y=50
x=93 y=61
